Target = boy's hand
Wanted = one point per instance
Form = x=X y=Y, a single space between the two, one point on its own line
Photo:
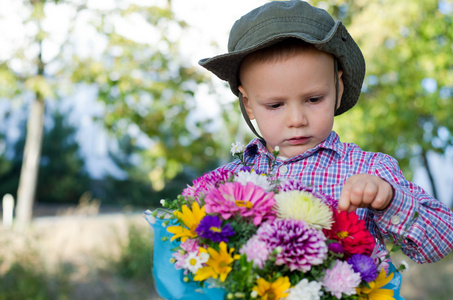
x=364 y=190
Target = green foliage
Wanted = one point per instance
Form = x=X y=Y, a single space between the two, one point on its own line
x=149 y=86
x=135 y=257
x=144 y=81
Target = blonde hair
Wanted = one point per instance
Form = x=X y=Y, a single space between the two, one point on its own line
x=277 y=52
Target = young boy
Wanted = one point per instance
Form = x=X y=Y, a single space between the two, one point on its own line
x=294 y=68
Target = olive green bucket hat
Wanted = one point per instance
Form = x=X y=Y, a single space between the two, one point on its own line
x=279 y=20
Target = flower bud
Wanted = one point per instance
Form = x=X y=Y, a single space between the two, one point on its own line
x=164 y=238
x=172 y=260
x=186 y=279
x=230 y=296
x=254 y=294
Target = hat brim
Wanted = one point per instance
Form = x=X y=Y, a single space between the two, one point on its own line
x=337 y=42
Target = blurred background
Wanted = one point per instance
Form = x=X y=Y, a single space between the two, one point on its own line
x=104 y=111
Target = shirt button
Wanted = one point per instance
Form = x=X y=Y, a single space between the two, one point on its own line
x=283 y=169
x=395 y=220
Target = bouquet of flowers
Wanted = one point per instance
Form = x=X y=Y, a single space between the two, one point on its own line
x=248 y=235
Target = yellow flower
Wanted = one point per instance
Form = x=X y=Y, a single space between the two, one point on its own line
x=190 y=218
x=375 y=290
x=218 y=263
x=300 y=205
x=272 y=290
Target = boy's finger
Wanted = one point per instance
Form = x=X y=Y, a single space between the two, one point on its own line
x=352 y=207
x=383 y=198
x=344 y=202
x=370 y=193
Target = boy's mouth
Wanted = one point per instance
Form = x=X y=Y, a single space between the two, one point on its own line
x=298 y=140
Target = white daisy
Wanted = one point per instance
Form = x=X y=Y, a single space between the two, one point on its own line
x=305 y=290
x=236 y=148
x=260 y=180
x=194 y=262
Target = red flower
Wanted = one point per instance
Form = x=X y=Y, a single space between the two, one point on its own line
x=351 y=233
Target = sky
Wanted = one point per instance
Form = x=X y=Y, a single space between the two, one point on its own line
x=209 y=21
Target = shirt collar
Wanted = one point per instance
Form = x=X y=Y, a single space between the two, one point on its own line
x=332 y=142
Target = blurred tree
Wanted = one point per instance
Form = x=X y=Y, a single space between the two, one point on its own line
x=406 y=104
x=62 y=176
x=130 y=53
x=148 y=88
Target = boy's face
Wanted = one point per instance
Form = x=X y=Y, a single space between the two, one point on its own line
x=292 y=100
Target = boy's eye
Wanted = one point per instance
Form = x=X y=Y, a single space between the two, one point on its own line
x=274 y=106
x=314 y=99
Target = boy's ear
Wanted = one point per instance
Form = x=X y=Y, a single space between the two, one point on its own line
x=246 y=102
x=340 y=87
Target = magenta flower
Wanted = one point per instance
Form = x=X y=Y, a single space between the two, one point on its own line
x=211 y=228
x=295 y=185
x=233 y=198
x=336 y=248
x=202 y=185
x=302 y=246
x=341 y=279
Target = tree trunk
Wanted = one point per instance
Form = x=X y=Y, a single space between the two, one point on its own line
x=30 y=164
x=430 y=174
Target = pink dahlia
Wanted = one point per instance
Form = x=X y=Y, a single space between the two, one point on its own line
x=302 y=246
x=351 y=233
x=256 y=250
x=189 y=246
x=341 y=279
x=233 y=198
x=202 y=185
x=180 y=257
x=296 y=185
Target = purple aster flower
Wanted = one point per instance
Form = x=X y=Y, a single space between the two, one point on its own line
x=336 y=248
x=252 y=150
x=302 y=246
x=210 y=227
x=245 y=169
x=295 y=185
x=365 y=266
x=202 y=185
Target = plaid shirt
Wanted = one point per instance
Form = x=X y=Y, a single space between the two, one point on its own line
x=422 y=225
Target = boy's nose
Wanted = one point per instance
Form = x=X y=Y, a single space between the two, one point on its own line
x=296 y=117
